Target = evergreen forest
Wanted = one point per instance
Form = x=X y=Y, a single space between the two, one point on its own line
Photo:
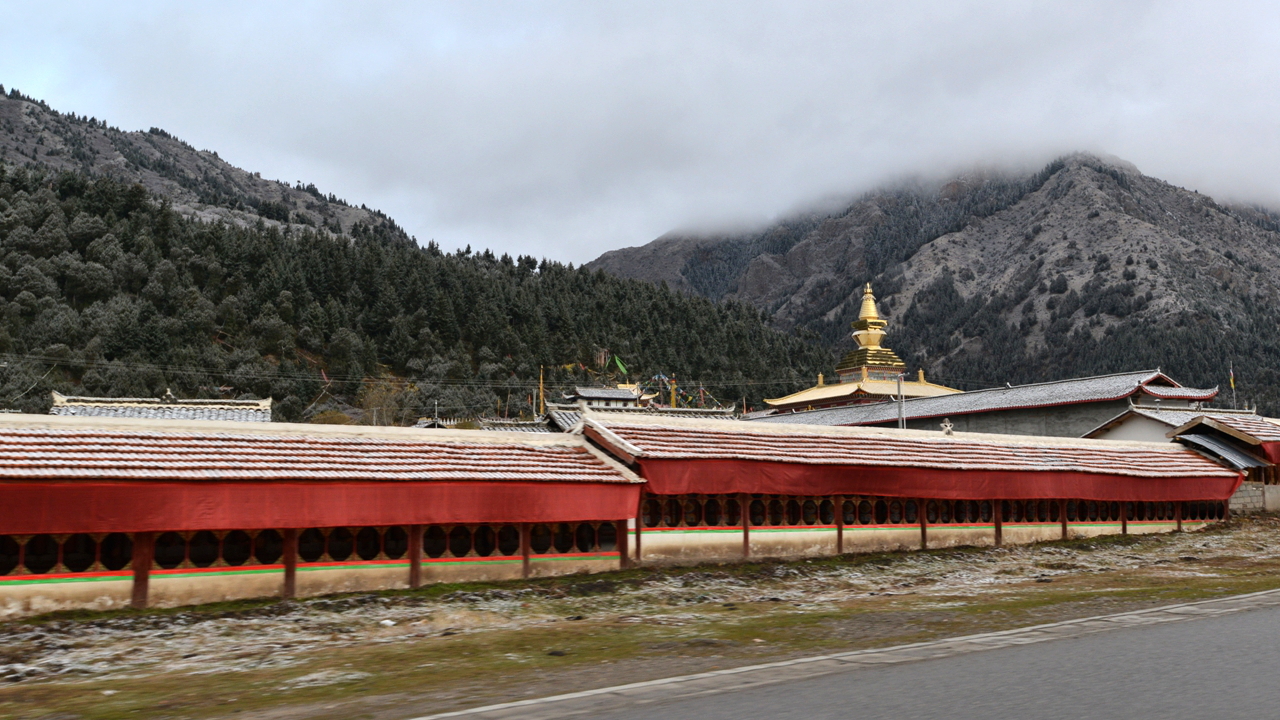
x=106 y=290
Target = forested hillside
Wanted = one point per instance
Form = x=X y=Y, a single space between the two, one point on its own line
x=1085 y=266
x=106 y=290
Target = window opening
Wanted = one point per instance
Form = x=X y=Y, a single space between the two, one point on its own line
x=368 y=544
x=268 y=546
x=395 y=542
x=607 y=537
x=79 y=553
x=509 y=540
x=310 y=545
x=485 y=541
x=8 y=554
x=459 y=541
x=171 y=550
x=586 y=538
x=540 y=539
x=434 y=541
x=733 y=513
x=563 y=541
x=712 y=514
x=203 y=549
x=776 y=515
x=116 y=552
x=237 y=548
x=692 y=512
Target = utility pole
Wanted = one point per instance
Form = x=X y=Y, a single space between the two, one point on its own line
x=542 y=403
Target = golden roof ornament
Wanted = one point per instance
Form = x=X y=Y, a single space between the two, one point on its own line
x=868 y=332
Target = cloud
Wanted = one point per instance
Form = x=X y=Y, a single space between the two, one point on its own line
x=566 y=129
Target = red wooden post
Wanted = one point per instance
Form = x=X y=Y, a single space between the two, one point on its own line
x=997 y=514
x=415 y=556
x=144 y=552
x=1177 y=514
x=744 y=504
x=924 y=524
x=624 y=561
x=639 y=525
x=525 y=553
x=1062 y=515
x=839 y=524
x=290 y=590
x=1124 y=518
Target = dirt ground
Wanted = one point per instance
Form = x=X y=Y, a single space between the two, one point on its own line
x=405 y=653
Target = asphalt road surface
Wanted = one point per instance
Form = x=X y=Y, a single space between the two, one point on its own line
x=1220 y=667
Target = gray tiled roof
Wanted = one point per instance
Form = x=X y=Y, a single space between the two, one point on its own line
x=564 y=419
x=1060 y=392
x=532 y=426
x=1248 y=423
x=604 y=393
x=167 y=412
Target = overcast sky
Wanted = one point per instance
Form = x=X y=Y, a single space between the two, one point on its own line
x=567 y=129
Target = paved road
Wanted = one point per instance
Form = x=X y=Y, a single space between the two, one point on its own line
x=1224 y=667
x=1136 y=665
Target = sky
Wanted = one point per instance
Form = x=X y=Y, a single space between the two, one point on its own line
x=565 y=129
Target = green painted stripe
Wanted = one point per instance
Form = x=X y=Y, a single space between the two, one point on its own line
x=354 y=566
x=560 y=558
x=682 y=531
x=756 y=530
x=218 y=572
x=51 y=581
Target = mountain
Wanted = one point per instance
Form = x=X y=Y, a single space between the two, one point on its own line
x=197 y=183
x=1086 y=266
x=131 y=264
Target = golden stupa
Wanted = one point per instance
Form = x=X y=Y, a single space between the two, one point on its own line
x=868 y=374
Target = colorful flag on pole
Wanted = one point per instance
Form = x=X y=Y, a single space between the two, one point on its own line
x=621 y=367
x=1232 y=372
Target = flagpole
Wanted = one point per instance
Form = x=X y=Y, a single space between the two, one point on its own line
x=1232 y=371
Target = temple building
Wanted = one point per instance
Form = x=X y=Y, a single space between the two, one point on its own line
x=866 y=375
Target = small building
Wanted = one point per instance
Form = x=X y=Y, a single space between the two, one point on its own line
x=1062 y=408
x=1240 y=438
x=622 y=396
x=869 y=374
x=162 y=408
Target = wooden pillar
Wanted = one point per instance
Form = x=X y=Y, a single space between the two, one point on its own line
x=1124 y=517
x=144 y=552
x=640 y=525
x=839 y=525
x=997 y=514
x=290 y=590
x=526 y=551
x=1226 y=510
x=922 y=509
x=744 y=502
x=1062 y=515
x=415 y=556
x=1177 y=514
x=624 y=559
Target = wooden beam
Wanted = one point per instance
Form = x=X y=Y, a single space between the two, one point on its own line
x=1062 y=515
x=997 y=514
x=744 y=504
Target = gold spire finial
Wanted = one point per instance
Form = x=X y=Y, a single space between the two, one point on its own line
x=868 y=311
